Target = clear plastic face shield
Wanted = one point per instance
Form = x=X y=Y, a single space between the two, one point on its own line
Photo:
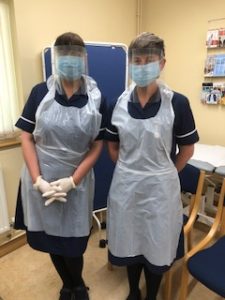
x=145 y=65
x=70 y=62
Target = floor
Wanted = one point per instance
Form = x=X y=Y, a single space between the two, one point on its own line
x=26 y=274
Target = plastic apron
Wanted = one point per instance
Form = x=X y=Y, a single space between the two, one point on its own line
x=144 y=205
x=63 y=135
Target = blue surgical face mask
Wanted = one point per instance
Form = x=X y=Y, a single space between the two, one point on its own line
x=70 y=67
x=143 y=75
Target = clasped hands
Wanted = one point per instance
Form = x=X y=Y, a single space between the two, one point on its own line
x=56 y=190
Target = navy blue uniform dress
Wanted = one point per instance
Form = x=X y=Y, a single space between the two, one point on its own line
x=184 y=133
x=39 y=240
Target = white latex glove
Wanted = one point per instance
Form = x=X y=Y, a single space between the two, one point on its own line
x=48 y=191
x=55 y=198
x=44 y=186
x=64 y=184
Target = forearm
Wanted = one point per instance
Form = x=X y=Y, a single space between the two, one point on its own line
x=113 y=149
x=30 y=155
x=88 y=162
x=183 y=156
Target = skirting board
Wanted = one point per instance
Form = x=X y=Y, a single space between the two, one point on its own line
x=13 y=244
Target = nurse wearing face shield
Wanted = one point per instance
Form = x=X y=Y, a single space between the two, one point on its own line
x=148 y=122
x=62 y=131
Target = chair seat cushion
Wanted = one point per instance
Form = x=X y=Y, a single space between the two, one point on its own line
x=208 y=267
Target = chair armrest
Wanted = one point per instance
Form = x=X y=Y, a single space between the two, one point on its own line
x=196 y=204
x=214 y=228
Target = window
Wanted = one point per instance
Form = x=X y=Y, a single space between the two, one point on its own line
x=9 y=102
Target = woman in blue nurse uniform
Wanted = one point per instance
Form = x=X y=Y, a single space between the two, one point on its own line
x=62 y=130
x=148 y=122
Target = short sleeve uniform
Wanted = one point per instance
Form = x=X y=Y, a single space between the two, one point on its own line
x=27 y=120
x=184 y=130
x=39 y=240
x=184 y=133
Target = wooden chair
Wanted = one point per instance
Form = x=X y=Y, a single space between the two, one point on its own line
x=192 y=181
x=207 y=265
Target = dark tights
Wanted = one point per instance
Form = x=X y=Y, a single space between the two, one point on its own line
x=152 y=280
x=69 y=269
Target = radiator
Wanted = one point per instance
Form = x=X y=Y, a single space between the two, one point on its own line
x=4 y=217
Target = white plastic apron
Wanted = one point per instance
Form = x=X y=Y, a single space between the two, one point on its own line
x=144 y=206
x=63 y=135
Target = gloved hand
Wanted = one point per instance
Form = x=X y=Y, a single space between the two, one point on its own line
x=48 y=191
x=55 y=198
x=43 y=186
x=64 y=184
